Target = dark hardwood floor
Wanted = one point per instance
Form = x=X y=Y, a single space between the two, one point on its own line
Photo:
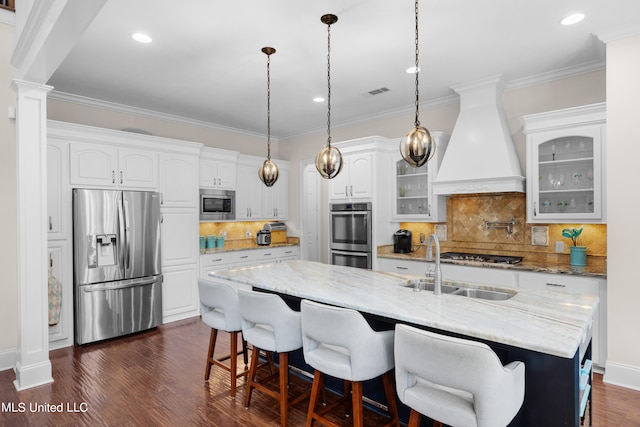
x=156 y=379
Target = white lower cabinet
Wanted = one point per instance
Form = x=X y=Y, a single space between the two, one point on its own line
x=576 y=285
x=179 y=293
x=179 y=264
x=401 y=266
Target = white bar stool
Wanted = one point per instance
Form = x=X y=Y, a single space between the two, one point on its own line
x=219 y=309
x=455 y=381
x=339 y=342
x=269 y=324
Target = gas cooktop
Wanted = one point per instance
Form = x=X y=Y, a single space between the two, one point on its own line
x=498 y=259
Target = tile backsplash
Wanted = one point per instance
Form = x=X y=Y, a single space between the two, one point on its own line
x=466 y=229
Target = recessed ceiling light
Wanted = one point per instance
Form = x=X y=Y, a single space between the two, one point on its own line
x=318 y=99
x=412 y=70
x=142 y=38
x=572 y=19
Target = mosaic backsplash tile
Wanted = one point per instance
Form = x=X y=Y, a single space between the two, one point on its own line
x=467 y=231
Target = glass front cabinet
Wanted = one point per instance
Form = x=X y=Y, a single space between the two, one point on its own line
x=566 y=165
x=413 y=195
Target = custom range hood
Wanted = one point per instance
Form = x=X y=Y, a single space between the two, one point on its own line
x=481 y=156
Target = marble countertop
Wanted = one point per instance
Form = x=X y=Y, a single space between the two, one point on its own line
x=549 y=322
x=595 y=269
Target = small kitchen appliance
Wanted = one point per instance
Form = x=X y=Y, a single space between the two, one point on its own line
x=402 y=241
x=263 y=238
x=278 y=231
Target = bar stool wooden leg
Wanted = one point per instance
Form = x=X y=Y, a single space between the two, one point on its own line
x=315 y=395
x=212 y=346
x=414 y=418
x=390 y=394
x=284 y=385
x=252 y=375
x=233 y=359
x=356 y=399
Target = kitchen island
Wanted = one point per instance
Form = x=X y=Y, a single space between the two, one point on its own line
x=548 y=331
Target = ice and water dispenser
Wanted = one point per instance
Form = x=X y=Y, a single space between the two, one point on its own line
x=102 y=250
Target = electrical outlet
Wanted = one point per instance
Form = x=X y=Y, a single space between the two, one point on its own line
x=559 y=246
x=423 y=239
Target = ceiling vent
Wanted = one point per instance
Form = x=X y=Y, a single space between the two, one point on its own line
x=378 y=91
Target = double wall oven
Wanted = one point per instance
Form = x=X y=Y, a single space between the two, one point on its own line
x=350 y=231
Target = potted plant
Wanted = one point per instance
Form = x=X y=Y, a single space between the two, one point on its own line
x=577 y=254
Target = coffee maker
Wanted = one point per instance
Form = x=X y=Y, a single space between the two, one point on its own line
x=402 y=241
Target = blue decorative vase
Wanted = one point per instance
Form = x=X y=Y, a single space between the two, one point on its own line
x=578 y=255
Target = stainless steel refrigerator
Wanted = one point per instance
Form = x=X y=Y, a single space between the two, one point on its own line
x=117 y=272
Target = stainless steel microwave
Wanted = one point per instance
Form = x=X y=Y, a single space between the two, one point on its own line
x=217 y=205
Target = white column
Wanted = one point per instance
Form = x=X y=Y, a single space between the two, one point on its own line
x=33 y=366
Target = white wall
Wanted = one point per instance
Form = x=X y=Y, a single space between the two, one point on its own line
x=8 y=248
x=623 y=153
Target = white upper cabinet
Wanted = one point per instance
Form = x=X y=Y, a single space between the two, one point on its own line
x=56 y=189
x=178 y=180
x=218 y=168
x=275 y=200
x=254 y=200
x=100 y=165
x=566 y=165
x=249 y=192
x=355 y=181
x=413 y=187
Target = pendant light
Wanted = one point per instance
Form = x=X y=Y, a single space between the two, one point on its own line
x=329 y=159
x=268 y=172
x=417 y=147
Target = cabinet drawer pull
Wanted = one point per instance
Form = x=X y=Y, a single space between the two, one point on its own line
x=557 y=285
x=113 y=177
x=50 y=224
x=217 y=260
x=401 y=268
x=288 y=252
x=121 y=177
x=267 y=254
x=244 y=256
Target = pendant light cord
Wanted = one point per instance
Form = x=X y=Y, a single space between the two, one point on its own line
x=268 y=107
x=329 y=85
x=417 y=121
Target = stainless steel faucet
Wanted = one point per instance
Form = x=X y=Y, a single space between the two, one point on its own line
x=436 y=272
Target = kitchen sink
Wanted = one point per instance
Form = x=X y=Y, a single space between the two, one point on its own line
x=430 y=286
x=484 y=294
x=450 y=288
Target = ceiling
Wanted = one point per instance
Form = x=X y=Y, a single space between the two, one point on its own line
x=205 y=62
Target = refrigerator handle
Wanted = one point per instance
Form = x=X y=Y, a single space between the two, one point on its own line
x=127 y=246
x=121 y=237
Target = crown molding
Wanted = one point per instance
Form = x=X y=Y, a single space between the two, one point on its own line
x=559 y=74
x=142 y=112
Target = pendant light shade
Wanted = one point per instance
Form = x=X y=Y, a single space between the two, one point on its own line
x=329 y=159
x=417 y=147
x=268 y=172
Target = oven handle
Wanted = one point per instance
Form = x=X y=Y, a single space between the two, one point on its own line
x=362 y=254
x=350 y=212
